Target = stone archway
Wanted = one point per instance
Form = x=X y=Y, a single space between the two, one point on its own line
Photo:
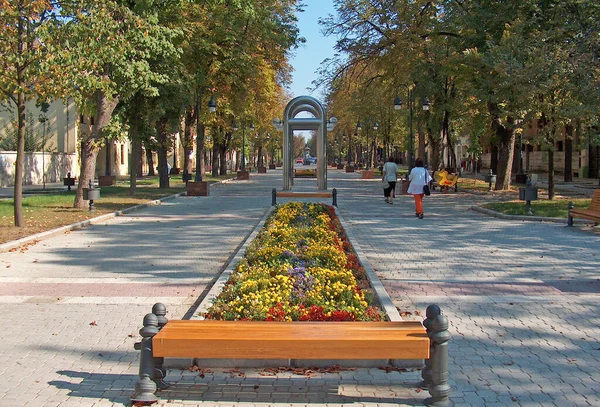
x=292 y=122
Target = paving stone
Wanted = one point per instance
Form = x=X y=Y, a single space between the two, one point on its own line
x=519 y=313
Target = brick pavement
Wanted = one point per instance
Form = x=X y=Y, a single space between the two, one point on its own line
x=520 y=296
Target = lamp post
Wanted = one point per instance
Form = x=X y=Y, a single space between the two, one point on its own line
x=398 y=105
x=340 y=150
x=358 y=130
x=212 y=107
x=235 y=128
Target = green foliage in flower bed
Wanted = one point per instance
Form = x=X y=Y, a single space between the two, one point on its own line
x=300 y=267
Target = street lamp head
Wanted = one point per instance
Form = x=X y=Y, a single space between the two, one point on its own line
x=235 y=126
x=277 y=123
x=375 y=126
x=397 y=103
x=426 y=103
x=331 y=123
x=358 y=126
x=252 y=126
x=212 y=103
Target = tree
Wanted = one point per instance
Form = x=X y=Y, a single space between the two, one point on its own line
x=106 y=49
x=24 y=73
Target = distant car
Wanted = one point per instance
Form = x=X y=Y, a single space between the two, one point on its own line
x=299 y=160
x=310 y=160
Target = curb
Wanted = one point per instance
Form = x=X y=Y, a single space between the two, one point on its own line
x=79 y=225
x=499 y=215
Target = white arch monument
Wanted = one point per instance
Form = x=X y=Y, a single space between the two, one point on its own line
x=292 y=122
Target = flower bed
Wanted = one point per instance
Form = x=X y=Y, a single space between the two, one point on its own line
x=300 y=267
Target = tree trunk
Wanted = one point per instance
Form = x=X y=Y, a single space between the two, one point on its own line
x=223 y=160
x=551 y=192
x=200 y=155
x=505 y=157
x=215 y=160
x=189 y=133
x=505 y=151
x=18 y=188
x=105 y=107
x=163 y=139
x=150 y=160
x=135 y=164
x=568 y=151
x=88 y=166
x=550 y=138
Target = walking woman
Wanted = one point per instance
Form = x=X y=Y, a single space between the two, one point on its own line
x=390 y=174
x=418 y=177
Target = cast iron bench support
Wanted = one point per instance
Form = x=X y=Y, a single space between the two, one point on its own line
x=591 y=213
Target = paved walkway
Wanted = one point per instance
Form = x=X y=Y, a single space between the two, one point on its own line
x=523 y=299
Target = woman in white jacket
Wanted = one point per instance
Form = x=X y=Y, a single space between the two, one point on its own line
x=418 y=177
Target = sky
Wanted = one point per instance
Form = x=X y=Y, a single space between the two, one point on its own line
x=317 y=47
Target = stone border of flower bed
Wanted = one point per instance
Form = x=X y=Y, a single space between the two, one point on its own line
x=382 y=298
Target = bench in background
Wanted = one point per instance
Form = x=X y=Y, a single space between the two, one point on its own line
x=289 y=194
x=591 y=213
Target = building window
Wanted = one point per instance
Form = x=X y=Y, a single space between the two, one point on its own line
x=81 y=119
x=122 y=154
x=92 y=120
x=559 y=146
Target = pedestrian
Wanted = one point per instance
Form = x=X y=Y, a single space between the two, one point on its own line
x=390 y=175
x=418 y=177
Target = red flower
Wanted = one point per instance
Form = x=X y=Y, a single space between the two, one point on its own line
x=342 y=315
x=276 y=313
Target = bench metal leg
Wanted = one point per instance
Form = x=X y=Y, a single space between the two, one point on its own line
x=431 y=312
x=159 y=372
x=440 y=389
x=334 y=196
x=145 y=387
x=570 y=220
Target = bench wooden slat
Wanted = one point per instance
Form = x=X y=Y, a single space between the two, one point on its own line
x=292 y=340
x=289 y=194
x=592 y=212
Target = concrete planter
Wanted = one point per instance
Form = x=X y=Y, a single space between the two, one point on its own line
x=262 y=170
x=382 y=300
x=340 y=166
x=272 y=166
x=243 y=175
x=199 y=188
x=349 y=168
x=368 y=174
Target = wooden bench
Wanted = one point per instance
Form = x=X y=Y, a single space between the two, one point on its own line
x=591 y=213
x=289 y=194
x=209 y=339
